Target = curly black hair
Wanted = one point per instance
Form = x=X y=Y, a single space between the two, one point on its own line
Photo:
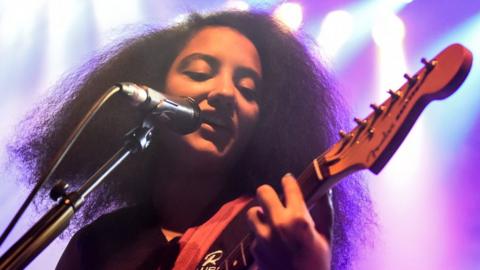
x=300 y=112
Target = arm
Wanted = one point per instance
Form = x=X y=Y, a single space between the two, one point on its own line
x=287 y=237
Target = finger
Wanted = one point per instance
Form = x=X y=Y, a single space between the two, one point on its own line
x=293 y=194
x=270 y=203
x=256 y=221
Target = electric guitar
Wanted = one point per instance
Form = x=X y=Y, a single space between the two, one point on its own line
x=370 y=145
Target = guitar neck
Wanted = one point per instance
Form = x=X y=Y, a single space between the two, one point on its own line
x=371 y=144
x=314 y=184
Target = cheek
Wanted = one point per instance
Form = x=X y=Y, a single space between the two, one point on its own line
x=249 y=116
x=176 y=85
x=172 y=84
x=179 y=85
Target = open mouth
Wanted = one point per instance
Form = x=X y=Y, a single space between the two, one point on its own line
x=217 y=122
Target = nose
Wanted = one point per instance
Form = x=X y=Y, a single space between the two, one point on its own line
x=223 y=96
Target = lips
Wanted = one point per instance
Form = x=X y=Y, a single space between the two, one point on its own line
x=217 y=121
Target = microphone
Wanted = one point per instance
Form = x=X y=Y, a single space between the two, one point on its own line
x=181 y=114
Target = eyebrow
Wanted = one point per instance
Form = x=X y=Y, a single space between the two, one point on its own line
x=211 y=61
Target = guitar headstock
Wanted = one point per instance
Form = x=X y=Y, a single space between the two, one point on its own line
x=376 y=138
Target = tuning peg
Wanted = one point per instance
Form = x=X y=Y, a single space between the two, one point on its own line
x=411 y=80
x=429 y=65
x=371 y=131
x=377 y=109
x=394 y=95
x=360 y=122
x=345 y=135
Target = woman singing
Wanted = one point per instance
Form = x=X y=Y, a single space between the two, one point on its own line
x=271 y=110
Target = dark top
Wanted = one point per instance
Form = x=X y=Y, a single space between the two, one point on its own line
x=131 y=238
x=107 y=239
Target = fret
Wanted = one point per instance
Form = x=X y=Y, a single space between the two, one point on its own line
x=242 y=250
x=240 y=257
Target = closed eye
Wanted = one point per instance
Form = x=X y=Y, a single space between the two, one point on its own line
x=247 y=81
x=249 y=94
x=198 y=76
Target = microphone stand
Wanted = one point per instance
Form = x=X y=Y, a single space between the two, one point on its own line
x=37 y=238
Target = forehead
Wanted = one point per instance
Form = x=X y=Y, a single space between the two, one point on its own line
x=225 y=44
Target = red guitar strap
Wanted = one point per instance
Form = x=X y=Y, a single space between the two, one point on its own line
x=197 y=240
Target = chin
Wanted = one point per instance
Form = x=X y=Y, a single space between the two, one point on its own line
x=201 y=150
x=206 y=151
x=208 y=148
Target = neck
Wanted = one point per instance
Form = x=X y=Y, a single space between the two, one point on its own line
x=184 y=198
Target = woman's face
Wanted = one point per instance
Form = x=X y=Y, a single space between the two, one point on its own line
x=220 y=68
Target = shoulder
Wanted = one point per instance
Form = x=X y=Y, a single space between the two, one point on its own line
x=94 y=244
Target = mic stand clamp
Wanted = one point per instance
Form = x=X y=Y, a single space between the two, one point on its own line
x=52 y=224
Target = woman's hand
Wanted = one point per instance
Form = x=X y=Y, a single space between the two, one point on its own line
x=286 y=237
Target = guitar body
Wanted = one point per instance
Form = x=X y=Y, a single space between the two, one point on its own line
x=370 y=145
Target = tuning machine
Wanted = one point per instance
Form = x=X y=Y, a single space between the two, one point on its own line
x=429 y=65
